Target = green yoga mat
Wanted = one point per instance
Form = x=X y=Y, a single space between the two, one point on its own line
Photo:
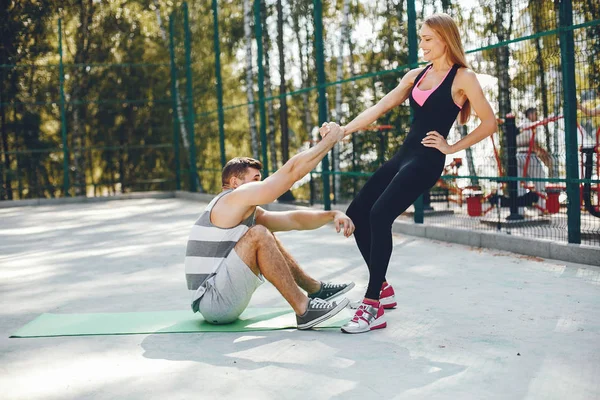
x=253 y=319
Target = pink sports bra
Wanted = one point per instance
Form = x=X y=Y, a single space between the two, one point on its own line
x=421 y=96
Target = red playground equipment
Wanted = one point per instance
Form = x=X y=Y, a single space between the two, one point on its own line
x=589 y=192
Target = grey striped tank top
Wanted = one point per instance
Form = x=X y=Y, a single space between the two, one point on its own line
x=208 y=246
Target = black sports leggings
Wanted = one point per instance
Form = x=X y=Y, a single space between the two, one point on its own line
x=386 y=195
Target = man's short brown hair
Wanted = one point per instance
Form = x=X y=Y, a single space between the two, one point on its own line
x=238 y=167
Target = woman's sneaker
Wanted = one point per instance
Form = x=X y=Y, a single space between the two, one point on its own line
x=330 y=290
x=319 y=310
x=368 y=316
x=387 y=298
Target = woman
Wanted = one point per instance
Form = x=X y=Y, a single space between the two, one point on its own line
x=438 y=93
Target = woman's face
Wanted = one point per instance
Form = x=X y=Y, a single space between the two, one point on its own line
x=432 y=46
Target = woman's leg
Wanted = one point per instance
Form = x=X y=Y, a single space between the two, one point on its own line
x=407 y=185
x=360 y=208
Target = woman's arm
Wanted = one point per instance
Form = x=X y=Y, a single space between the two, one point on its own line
x=389 y=101
x=468 y=83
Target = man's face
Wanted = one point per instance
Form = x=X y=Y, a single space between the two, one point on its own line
x=533 y=116
x=252 y=175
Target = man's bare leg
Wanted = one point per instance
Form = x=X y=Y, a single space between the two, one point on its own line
x=302 y=279
x=259 y=251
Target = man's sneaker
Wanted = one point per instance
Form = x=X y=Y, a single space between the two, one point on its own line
x=367 y=318
x=387 y=298
x=330 y=290
x=319 y=310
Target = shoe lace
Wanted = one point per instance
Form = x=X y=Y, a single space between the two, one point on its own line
x=330 y=285
x=319 y=304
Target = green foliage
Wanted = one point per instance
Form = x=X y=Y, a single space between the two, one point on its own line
x=119 y=110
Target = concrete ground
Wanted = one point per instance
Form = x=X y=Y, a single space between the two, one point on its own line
x=471 y=323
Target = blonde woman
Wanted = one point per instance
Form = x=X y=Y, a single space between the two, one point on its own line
x=439 y=93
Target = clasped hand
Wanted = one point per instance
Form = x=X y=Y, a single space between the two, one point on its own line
x=331 y=128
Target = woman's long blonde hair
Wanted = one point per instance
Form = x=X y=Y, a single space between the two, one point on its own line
x=444 y=25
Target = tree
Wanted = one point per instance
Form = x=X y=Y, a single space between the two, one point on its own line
x=268 y=90
x=80 y=86
x=344 y=34
x=283 y=112
x=250 y=78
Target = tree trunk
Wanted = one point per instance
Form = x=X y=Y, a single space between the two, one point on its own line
x=353 y=95
x=503 y=57
x=344 y=33
x=446 y=6
x=7 y=183
x=303 y=54
x=250 y=79
x=268 y=91
x=283 y=117
x=178 y=101
x=593 y=8
x=80 y=81
x=536 y=11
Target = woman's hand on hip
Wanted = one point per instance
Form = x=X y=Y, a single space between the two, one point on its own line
x=437 y=141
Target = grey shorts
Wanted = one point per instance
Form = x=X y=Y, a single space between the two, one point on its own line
x=229 y=291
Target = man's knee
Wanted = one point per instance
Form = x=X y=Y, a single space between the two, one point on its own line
x=259 y=233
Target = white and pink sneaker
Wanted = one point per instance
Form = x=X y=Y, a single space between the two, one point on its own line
x=387 y=298
x=368 y=316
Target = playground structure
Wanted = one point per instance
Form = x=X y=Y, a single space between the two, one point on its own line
x=476 y=199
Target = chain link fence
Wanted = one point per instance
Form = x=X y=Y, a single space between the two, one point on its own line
x=256 y=78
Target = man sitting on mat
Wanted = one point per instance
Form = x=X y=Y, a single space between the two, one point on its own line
x=231 y=246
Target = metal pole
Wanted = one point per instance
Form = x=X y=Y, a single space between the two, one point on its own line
x=567 y=55
x=510 y=133
x=63 y=115
x=320 y=65
x=190 y=100
x=176 y=121
x=215 y=10
x=261 y=87
x=413 y=59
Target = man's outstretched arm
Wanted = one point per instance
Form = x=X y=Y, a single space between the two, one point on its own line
x=303 y=220
x=267 y=191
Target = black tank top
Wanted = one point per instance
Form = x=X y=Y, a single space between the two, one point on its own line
x=438 y=112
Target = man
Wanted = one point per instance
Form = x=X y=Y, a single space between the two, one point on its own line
x=590 y=125
x=231 y=246
x=535 y=167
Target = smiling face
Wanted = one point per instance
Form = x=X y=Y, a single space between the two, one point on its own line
x=431 y=44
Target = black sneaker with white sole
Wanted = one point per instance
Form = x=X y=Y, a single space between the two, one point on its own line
x=330 y=290
x=319 y=310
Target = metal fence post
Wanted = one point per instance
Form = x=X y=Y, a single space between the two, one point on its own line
x=190 y=100
x=320 y=65
x=413 y=59
x=176 y=121
x=63 y=115
x=261 y=88
x=215 y=10
x=567 y=55
x=511 y=168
